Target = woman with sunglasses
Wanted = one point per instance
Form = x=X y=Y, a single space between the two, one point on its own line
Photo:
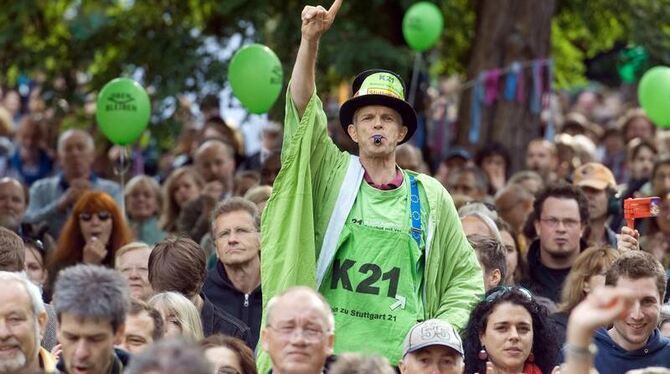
x=509 y=332
x=95 y=230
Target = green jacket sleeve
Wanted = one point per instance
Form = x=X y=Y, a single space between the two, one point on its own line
x=303 y=197
x=454 y=282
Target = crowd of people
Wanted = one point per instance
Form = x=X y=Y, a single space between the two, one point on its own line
x=305 y=258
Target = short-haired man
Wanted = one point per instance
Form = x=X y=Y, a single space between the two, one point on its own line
x=598 y=184
x=560 y=214
x=144 y=326
x=432 y=346
x=13 y=203
x=634 y=341
x=542 y=157
x=234 y=285
x=179 y=264
x=23 y=319
x=215 y=162
x=91 y=303
x=132 y=261
x=12 y=251
x=299 y=331
x=469 y=181
x=52 y=199
x=492 y=258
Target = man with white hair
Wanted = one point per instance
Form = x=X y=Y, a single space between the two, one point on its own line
x=299 y=331
x=23 y=319
x=52 y=199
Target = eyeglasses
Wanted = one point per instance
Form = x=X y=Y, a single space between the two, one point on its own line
x=568 y=223
x=501 y=291
x=103 y=216
x=311 y=335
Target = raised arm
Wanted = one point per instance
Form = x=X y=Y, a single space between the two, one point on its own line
x=315 y=21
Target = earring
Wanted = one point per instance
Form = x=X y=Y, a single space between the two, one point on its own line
x=483 y=355
x=531 y=357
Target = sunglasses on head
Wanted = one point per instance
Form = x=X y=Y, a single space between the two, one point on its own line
x=103 y=216
x=503 y=290
x=35 y=243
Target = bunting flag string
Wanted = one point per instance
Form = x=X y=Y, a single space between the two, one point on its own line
x=486 y=90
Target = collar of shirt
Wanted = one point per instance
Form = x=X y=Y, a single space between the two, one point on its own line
x=394 y=183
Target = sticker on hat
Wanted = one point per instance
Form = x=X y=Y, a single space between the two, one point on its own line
x=382 y=84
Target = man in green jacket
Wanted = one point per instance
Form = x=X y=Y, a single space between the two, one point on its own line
x=383 y=245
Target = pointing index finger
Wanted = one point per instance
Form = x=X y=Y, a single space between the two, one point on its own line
x=334 y=8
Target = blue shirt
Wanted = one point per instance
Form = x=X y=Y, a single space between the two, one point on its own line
x=612 y=359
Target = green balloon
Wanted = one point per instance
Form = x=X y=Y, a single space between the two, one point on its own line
x=255 y=75
x=123 y=110
x=422 y=25
x=654 y=95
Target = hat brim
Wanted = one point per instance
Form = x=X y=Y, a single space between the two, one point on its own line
x=430 y=344
x=405 y=110
x=596 y=184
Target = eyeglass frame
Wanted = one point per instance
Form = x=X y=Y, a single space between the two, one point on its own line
x=288 y=335
x=568 y=223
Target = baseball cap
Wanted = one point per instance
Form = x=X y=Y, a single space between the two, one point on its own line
x=432 y=332
x=594 y=175
x=379 y=87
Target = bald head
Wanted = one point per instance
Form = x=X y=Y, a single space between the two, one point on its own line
x=300 y=298
x=215 y=161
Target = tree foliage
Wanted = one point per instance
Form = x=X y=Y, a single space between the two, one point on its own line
x=174 y=47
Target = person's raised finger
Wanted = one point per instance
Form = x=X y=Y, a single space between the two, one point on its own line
x=334 y=8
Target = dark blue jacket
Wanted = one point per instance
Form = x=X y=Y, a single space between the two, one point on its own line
x=612 y=359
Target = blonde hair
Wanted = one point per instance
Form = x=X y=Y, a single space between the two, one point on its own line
x=168 y=221
x=131 y=247
x=177 y=305
x=258 y=194
x=593 y=261
x=143 y=180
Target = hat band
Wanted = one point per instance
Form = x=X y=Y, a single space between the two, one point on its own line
x=377 y=91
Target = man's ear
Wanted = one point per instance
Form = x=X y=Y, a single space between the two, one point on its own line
x=353 y=133
x=264 y=340
x=42 y=320
x=402 y=133
x=331 y=344
x=495 y=278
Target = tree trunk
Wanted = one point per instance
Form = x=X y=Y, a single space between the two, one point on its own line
x=507 y=31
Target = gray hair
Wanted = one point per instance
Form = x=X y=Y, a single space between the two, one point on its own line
x=30 y=287
x=70 y=132
x=327 y=311
x=170 y=356
x=480 y=211
x=235 y=204
x=90 y=291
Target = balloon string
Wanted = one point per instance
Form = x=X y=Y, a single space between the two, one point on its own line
x=415 y=78
x=122 y=173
